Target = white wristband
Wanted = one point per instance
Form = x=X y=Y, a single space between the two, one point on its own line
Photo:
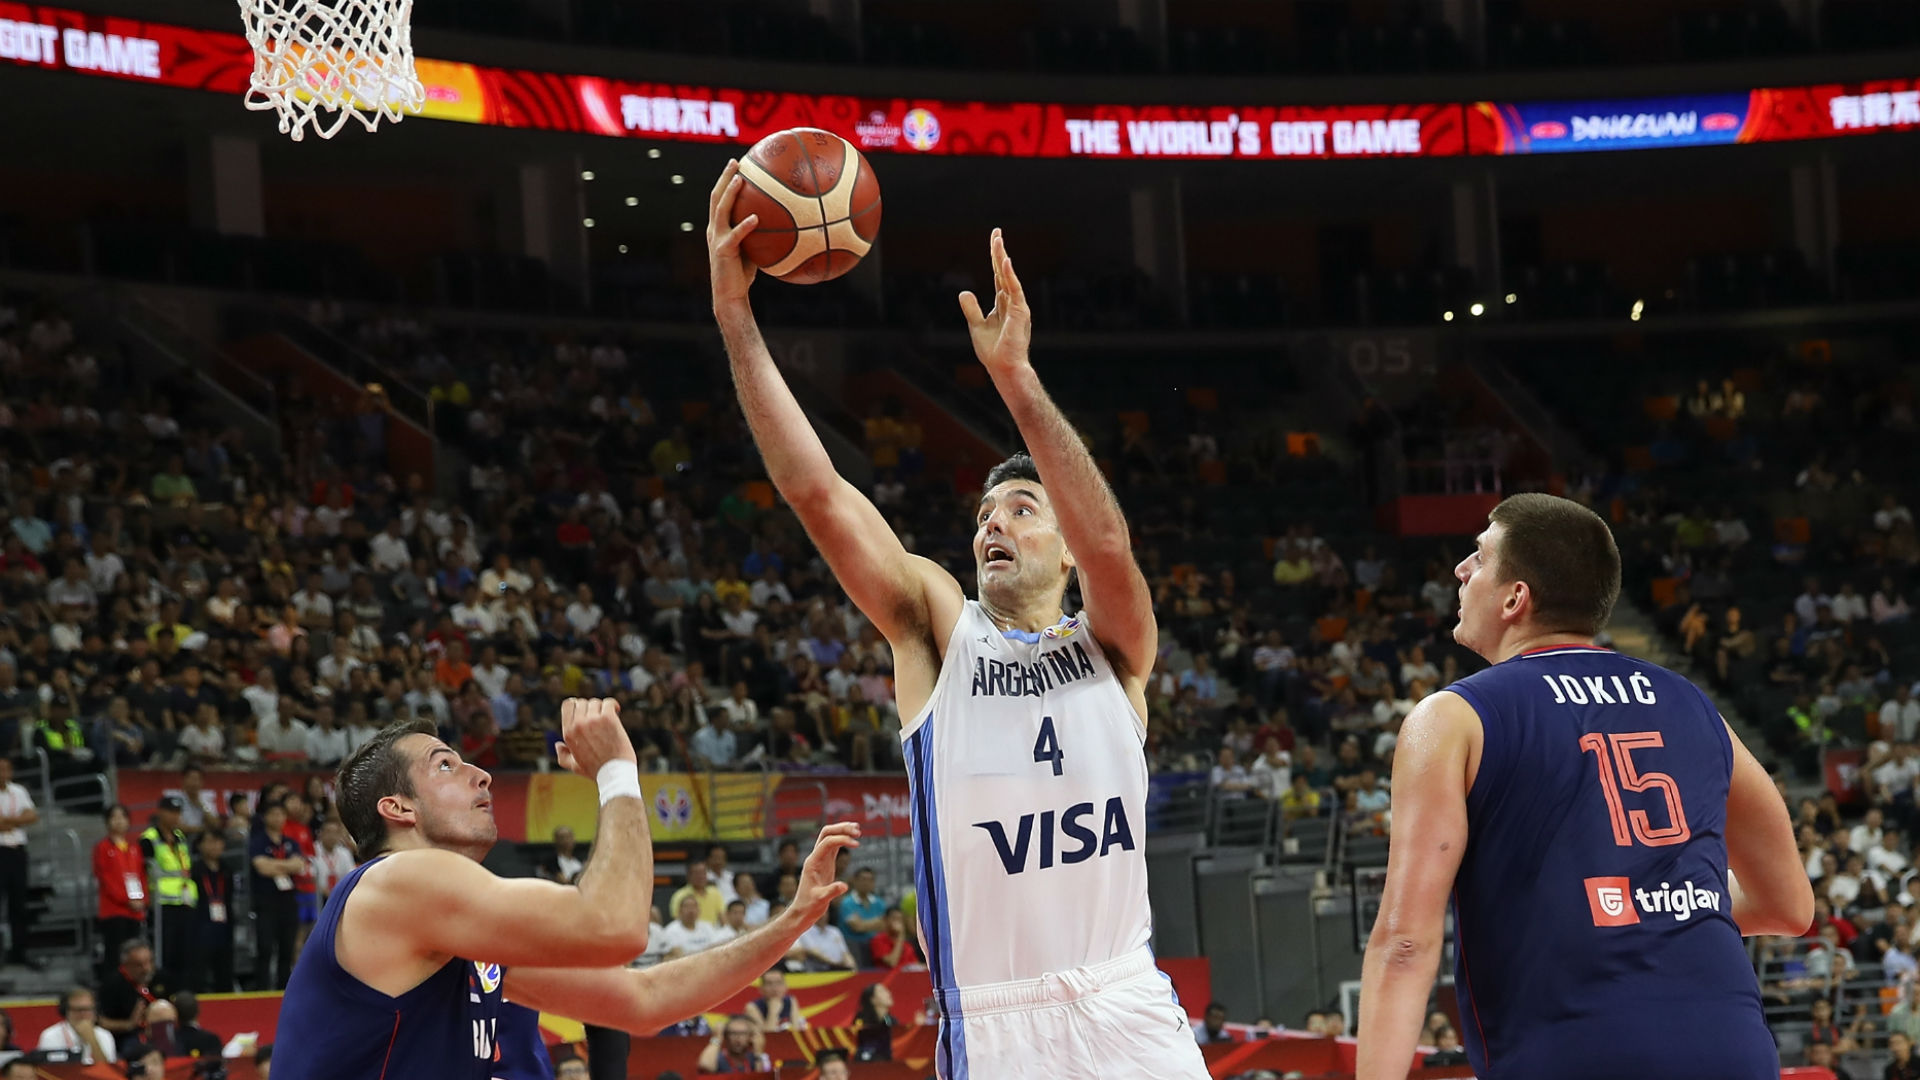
x=618 y=778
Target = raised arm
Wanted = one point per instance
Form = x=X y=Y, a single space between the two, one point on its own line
x=1769 y=886
x=888 y=585
x=1118 y=600
x=600 y=921
x=643 y=1002
x=1430 y=785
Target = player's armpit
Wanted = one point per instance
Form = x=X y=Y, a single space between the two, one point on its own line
x=1431 y=777
x=897 y=590
x=1771 y=892
x=447 y=904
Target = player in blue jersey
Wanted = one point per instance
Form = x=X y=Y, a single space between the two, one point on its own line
x=1602 y=835
x=387 y=987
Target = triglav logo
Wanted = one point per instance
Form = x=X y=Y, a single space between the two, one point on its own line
x=1615 y=902
x=1608 y=898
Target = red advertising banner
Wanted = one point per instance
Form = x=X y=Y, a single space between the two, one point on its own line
x=58 y=39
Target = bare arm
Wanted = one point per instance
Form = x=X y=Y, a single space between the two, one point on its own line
x=643 y=1002
x=1119 y=602
x=886 y=583
x=1429 y=835
x=525 y=920
x=1767 y=880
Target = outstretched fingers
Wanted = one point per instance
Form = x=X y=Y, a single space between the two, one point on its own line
x=970 y=307
x=720 y=189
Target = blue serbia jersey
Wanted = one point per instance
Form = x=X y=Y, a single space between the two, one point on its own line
x=335 y=1027
x=1593 y=929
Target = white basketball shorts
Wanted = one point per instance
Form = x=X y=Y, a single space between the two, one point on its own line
x=1114 y=1021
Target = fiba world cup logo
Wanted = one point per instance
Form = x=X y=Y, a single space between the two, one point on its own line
x=921 y=129
x=673 y=806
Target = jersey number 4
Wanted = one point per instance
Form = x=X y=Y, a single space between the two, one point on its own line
x=1046 y=749
x=1630 y=825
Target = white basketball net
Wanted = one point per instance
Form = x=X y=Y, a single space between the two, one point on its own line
x=350 y=58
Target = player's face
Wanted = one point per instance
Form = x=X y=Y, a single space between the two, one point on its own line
x=453 y=799
x=1482 y=594
x=1017 y=547
x=834 y=1070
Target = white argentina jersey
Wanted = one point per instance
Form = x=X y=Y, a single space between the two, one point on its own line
x=1029 y=791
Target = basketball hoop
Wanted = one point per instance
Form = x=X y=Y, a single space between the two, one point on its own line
x=351 y=58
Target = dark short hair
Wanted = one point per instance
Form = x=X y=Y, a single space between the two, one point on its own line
x=1566 y=555
x=1212 y=1005
x=263 y=1055
x=1018 y=467
x=187 y=1004
x=107 y=815
x=370 y=774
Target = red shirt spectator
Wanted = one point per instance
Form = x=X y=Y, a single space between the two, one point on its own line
x=121 y=871
x=477 y=744
x=893 y=946
x=302 y=836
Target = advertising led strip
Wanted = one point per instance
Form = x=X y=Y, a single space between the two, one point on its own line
x=58 y=39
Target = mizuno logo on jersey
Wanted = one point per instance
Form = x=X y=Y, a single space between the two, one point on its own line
x=995 y=678
x=1115 y=831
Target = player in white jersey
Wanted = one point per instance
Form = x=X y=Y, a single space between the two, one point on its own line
x=1024 y=728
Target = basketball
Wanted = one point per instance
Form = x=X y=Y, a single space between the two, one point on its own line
x=818 y=201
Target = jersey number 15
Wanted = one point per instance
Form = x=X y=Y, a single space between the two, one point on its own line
x=1630 y=825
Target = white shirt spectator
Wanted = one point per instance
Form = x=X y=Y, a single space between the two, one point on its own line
x=1885 y=861
x=387 y=554
x=477 y=618
x=1843 y=890
x=740 y=622
x=1440 y=596
x=1848 y=606
x=63 y=593
x=265 y=702
x=1270 y=778
x=1225 y=778
x=1896 y=775
x=104 y=570
x=1389 y=709
x=1885 y=518
x=334 y=669
x=329 y=866
x=210 y=743
x=14 y=801
x=1272 y=658
x=517 y=580
x=1901 y=718
x=678 y=939
x=1806 y=607
x=759 y=909
x=1731 y=532
x=1424 y=671
x=744 y=712
x=283 y=735
x=327 y=748
x=828 y=942
x=492 y=679
x=313 y=605
x=1863 y=838
x=61 y=1036
x=762 y=591
x=465 y=551
x=583 y=617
